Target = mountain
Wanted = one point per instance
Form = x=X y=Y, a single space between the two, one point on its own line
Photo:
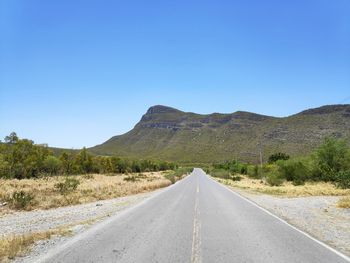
x=170 y=134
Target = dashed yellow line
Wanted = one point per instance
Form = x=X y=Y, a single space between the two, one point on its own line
x=196 y=241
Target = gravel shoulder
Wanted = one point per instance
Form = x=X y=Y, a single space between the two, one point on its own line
x=77 y=218
x=316 y=215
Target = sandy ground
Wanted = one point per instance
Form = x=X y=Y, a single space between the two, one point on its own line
x=316 y=215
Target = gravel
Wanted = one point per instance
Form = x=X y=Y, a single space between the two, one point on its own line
x=76 y=218
x=316 y=215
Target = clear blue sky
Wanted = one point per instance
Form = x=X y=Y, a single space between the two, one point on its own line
x=75 y=73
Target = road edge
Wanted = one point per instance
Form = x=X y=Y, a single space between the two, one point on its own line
x=340 y=254
x=56 y=250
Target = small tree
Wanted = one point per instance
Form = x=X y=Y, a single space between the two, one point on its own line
x=83 y=162
x=66 y=163
x=69 y=185
x=332 y=157
x=52 y=165
x=278 y=156
x=12 y=138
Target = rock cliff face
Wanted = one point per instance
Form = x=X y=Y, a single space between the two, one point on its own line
x=170 y=134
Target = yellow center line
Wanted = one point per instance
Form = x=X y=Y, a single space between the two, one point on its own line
x=195 y=258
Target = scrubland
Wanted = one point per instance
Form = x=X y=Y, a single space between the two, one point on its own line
x=57 y=191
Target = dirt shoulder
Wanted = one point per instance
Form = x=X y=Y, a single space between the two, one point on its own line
x=320 y=216
x=72 y=219
x=51 y=216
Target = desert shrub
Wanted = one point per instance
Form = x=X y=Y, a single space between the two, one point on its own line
x=52 y=165
x=131 y=178
x=177 y=174
x=253 y=171
x=182 y=171
x=332 y=157
x=20 y=200
x=220 y=173
x=343 y=179
x=236 y=178
x=271 y=174
x=90 y=176
x=274 y=179
x=69 y=185
x=268 y=168
x=278 y=156
x=171 y=177
x=4 y=168
x=141 y=175
x=244 y=169
x=294 y=170
x=232 y=166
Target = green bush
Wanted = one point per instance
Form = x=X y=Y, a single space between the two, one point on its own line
x=294 y=170
x=20 y=200
x=236 y=178
x=244 y=169
x=4 y=168
x=278 y=156
x=274 y=179
x=171 y=177
x=232 y=166
x=343 y=180
x=253 y=171
x=21 y=158
x=52 y=165
x=220 y=173
x=69 y=185
x=177 y=174
x=332 y=157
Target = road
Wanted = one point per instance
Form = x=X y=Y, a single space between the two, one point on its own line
x=194 y=220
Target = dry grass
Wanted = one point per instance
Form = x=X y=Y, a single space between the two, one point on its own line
x=16 y=245
x=287 y=189
x=91 y=188
x=344 y=202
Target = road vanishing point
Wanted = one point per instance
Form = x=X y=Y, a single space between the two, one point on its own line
x=194 y=220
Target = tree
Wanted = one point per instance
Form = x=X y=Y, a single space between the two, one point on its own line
x=136 y=167
x=332 y=157
x=66 y=163
x=278 y=156
x=52 y=165
x=84 y=162
x=12 y=138
x=4 y=167
x=25 y=159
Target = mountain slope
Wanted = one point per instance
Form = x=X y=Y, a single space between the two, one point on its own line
x=170 y=134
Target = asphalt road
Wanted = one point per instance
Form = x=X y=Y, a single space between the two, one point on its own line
x=194 y=220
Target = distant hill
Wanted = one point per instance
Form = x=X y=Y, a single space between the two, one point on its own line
x=170 y=134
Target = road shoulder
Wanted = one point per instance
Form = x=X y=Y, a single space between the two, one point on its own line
x=74 y=219
x=318 y=216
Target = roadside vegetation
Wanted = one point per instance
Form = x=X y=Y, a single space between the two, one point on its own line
x=177 y=174
x=12 y=246
x=344 y=202
x=32 y=177
x=57 y=191
x=22 y=159
x=324 y=172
